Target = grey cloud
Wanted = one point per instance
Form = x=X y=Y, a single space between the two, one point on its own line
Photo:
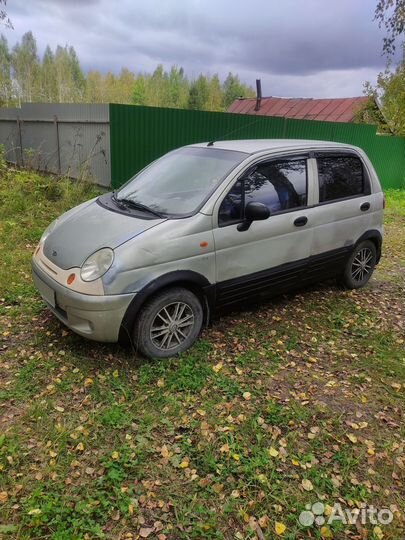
x=314 y=40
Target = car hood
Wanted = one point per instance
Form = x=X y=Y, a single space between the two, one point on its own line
x=89 y=227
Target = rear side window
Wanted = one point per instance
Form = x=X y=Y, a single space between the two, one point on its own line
x=340 y=177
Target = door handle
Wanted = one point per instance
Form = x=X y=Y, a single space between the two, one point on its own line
x=365 y=206
x=301 y=221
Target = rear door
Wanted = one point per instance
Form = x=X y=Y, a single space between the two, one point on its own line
x=271 y=254
x=343 y=211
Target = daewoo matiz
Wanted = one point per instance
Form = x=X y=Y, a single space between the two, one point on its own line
x=205 y=227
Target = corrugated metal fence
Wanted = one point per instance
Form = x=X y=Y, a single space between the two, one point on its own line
x=113 y=142
x=71 y=139
x=141 y=134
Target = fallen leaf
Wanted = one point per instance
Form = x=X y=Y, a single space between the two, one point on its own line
x=247 y=395
x=279 y=528
x=224 y=448
x=307 y=484
x=263 y=522
x=145 y=532
x=378 y=532
x=35 y=512
x=273 y=452
x=326 y=532
x=217 y=368
x=165 y=452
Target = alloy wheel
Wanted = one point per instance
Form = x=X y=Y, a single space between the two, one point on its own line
x=172 y=325
x=362 y=264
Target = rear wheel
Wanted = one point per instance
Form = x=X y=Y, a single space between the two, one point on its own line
x=169 y=323
x=360 y=265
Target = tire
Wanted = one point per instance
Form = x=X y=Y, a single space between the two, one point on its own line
x=156 y=332
x=360 y=265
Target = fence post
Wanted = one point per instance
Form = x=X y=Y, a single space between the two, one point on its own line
x=56 y=123
x=20 y=140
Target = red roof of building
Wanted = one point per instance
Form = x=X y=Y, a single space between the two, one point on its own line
x=328 y=110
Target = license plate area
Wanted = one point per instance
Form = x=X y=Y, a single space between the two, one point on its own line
x=46 y=292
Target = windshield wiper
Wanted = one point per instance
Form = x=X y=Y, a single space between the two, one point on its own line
x=136 y=205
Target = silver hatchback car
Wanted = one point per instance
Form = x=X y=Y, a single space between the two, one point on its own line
x=209 y=226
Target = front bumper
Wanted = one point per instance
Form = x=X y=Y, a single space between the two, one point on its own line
x=94 y=317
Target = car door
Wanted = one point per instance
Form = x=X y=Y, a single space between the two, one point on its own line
x=271 y=254
x=344 y=209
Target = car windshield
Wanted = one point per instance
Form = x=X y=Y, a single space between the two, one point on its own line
x=179 y=183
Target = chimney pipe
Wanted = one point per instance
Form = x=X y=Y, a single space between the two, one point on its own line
x=258 y=94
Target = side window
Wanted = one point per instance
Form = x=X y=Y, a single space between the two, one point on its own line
x=280 y=185
x=340 y=177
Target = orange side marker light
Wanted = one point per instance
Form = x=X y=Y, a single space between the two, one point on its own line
x=203 y=244
x=71 y=279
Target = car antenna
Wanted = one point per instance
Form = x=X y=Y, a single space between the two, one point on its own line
x=211 y=143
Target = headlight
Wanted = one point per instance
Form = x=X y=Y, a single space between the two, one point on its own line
x=97 y=264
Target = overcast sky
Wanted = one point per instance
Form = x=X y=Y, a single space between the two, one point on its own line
x=311 y=48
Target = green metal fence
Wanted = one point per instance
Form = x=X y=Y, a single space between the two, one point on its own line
x=139 y=135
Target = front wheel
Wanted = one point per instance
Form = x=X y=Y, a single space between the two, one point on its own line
x=169 y=323
x=360 y=265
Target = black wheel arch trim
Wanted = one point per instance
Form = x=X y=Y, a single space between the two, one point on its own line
x=375 y=235
x=176 y=278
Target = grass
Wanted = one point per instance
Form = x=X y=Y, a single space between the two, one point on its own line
x=296 y=401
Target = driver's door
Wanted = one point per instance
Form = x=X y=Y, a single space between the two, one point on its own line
x=270 y=254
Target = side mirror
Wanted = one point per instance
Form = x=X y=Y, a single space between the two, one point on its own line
x=254 y=211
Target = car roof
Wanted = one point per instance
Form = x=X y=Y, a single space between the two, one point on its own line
x=252 y=146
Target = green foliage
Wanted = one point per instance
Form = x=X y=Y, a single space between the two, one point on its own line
x=58 y=77
x=386 y=105
x=198 y=96
x=233 y=89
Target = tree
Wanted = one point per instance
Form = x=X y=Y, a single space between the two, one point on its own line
x=139 y=91
x=25 y=64
x=5 y=73
x=69 y=77
x=94 y=87
x=233 y=89
x=49 y=91
x=198 y=97
x=58 y=77
x=215 y=98
x=178 y=88
x=391 y=15
x=386 y=104
x=126 y=82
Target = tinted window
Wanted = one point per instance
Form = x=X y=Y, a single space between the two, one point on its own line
x=339 y=177
x=280 y=185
